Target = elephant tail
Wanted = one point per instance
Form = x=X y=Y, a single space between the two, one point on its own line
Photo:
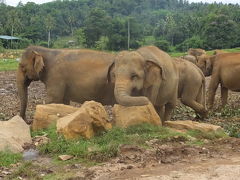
x=204 y=92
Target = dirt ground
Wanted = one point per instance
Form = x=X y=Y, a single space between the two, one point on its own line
x=174 y=160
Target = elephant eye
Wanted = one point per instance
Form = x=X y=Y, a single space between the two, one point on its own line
x=134 y=76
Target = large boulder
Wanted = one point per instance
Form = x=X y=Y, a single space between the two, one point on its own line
x=14 y=133
x=86 y=122
x=192 y=125
x=48 y=114
x=128 y=116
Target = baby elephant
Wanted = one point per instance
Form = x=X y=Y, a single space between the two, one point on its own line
x=191 y=87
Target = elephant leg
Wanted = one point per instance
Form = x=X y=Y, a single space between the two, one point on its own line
x=212 y=90
x=168 y=111
x=224 y=95
x=66 y=101
x=197 y=107
x=160 y=111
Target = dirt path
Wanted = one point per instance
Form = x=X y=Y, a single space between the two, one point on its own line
x=227 y=168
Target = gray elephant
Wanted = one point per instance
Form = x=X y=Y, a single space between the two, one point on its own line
x=76 y=75
x=191 y=87
x=147 y=71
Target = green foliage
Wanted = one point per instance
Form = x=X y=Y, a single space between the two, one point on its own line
x=193 y=42
x=1 y=47
x=220 y=32
x=178 y=22
x=8 y=64
x=80 y=36
x=7 y=158
x=162 y=44
x=63 y=42
x=102 y=43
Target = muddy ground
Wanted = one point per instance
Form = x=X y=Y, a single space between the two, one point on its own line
x=174 y=160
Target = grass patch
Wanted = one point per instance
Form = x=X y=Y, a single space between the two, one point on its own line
x=177 y=54
x=105 y=146
x=7 y=158
x=8 y=64
x=26 y=170
x=207 y=135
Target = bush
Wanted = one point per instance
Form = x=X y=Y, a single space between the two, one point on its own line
x=193 y=42
x=1 y=47
x=21 y=44
x=162 y=44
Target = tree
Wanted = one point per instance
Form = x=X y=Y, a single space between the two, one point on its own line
x=220 y=32
x=49 y=24
x=96 y=26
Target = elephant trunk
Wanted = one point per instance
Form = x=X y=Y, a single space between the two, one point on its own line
x=22 y=85
x=122 y=94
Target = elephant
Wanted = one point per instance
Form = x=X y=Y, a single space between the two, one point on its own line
x=145 y=75
x=190 y=58
x=224 y=70
x=196 y=52
x=218 y=51
x=68 y=75
x=191 y=87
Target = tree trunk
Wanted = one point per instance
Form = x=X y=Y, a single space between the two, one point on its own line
x=49 y=38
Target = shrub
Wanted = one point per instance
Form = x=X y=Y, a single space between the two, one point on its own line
x=193 y=42
x=162 y=44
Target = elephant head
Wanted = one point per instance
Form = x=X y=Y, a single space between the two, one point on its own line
x=205 y=64
x=133 y=73
x=29 y=68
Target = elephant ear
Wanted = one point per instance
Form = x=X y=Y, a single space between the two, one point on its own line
x=209 y=62
x=153 y=78
x=111 y=75
x=38 y=63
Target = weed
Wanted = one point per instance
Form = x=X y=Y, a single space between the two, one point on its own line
x=26 y=170
x=206 y=135
x=7 y=158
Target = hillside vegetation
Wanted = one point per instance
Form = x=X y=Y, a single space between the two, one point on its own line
x=104 y=24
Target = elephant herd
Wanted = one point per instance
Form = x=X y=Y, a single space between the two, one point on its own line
x=130 y=78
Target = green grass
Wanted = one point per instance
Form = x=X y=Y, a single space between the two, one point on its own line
x=8 y=158
x=177 y=54
x=207 y=135
x=27 y=169
x=8 y=65
x=105 y=146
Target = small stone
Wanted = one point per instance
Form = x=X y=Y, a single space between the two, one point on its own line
x=65 y=157
x=30 y=154
x=130 y=167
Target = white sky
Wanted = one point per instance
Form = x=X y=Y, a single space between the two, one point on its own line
x=15 y=2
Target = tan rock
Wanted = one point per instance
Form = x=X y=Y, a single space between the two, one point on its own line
x=192 y=125
x=65 y=157
x=86 y=122
x=13 y=134
x=46 y=115
x=128 y=116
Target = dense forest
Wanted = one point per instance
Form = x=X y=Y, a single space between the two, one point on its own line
x=122 y=24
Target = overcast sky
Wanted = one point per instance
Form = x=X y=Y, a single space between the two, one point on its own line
x=15 y=2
